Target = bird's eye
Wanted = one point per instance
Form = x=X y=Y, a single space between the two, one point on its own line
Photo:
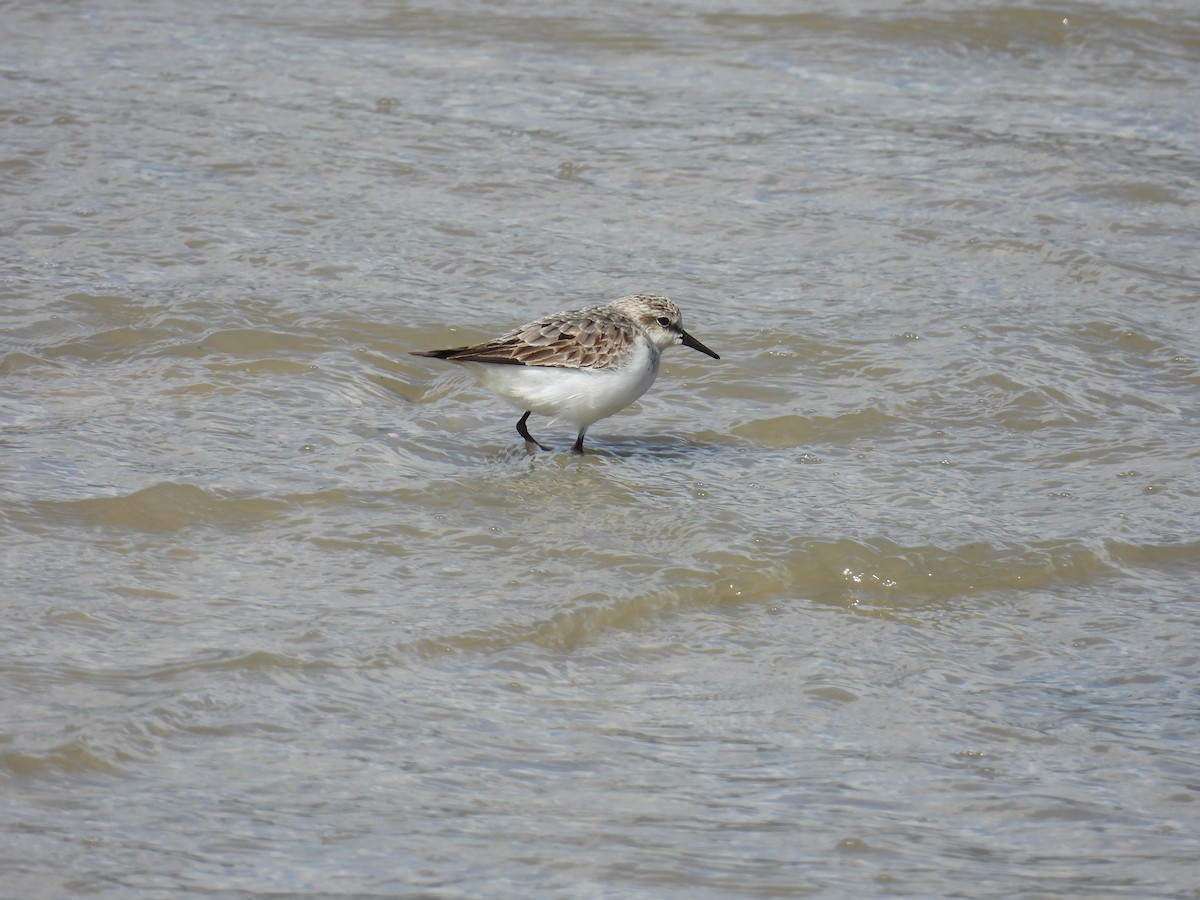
x=664 y=321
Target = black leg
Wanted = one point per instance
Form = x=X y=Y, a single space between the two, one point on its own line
x=523 y=431
x=578 y=448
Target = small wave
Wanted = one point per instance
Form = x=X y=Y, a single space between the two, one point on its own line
x=1167 y=553
x=796 y=430
x=879 y=578
x=163 y=507
x=74 y=758
x=118 y=739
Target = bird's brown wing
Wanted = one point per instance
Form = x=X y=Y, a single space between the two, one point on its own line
x=592 y=338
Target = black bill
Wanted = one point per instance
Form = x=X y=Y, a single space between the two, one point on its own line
x=689 y=341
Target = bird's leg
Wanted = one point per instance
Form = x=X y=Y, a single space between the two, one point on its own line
x=578 y=448
x=523 y=431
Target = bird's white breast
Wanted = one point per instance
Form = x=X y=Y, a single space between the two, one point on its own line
x=579 y=396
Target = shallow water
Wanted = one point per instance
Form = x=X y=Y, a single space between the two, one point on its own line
x=897 y=598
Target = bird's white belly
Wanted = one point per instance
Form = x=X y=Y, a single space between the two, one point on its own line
x=578 y=396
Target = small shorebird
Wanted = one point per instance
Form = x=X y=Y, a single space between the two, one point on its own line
x=581 y=365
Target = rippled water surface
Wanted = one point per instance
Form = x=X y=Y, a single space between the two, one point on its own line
x=898 y=598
